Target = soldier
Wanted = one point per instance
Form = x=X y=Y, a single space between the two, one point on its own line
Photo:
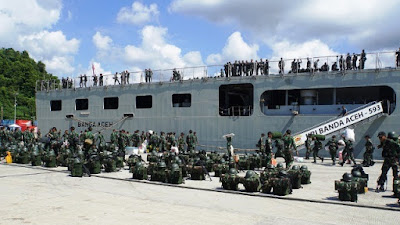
x=348 y=61
x=181 y=142
x=294 y=68
x=195 y=141
x=94 y=80
x=127 y=74
x=363 y=58
x=260 y=144
x=348 y=151
x=150 y=74
x=308 y=146
x=101 y=80
x=281 y=66
x=398 y=58
x=85 y=79
x=229 y=145
x=123 y=81
x=334 y=67
x=162 y=145
x=341 y=63
x=136 y=139
x=333 y=147
x=260 y=66
x=316 y=148
x=289 y=144
x=369 y=151
x=354 y=59
x=308 y=65
x=80 y=80
x=316 y=65
x=114 y=137
x=116 y=78
x=390 y=153
x=190 y=141
x=266 y=67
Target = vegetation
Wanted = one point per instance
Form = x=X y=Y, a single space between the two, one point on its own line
x=18 y=74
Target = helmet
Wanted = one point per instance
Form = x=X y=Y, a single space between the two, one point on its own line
x=77 y=160
x=162 y=164
x=233 y=171
x=304 y=167
x=138 y=164
x=356 y=173
x=280 y=165
x=347 y=177
x=295 y=167
x=178 y=161
x=249 y=174
x=380 y=134
x=270 y=166
x=392 y=135
x=282 y=173
x=174 y=167
x=222 y=161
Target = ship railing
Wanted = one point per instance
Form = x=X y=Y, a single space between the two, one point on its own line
x=237 y=111
x=375 y=61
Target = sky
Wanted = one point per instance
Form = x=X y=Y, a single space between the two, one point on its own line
x=70 y=36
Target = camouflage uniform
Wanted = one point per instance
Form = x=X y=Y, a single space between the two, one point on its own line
x=348 y=152
x=333 y=147
x=288 y=145
x=369 y=151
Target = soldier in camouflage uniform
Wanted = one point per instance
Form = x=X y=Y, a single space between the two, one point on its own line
x=348 y=151
x=266 y=158
x=181 y=143
x=163 y=142
x=390 y=153
x=260 y=144
x=190 y=141
x=333 y=147
x=289 y=144
x=308 y=146
x=316 y=148
x=369 y=151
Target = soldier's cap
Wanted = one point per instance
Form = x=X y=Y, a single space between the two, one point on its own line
x=367 y=136
x=380 y=134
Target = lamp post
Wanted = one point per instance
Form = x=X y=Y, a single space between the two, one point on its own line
x=15 y=107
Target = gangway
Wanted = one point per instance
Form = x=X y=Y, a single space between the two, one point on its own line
x=372 y=110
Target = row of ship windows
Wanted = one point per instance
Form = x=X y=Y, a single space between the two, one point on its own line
x=142 y=102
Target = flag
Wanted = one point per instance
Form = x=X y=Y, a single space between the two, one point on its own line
x=93 y=68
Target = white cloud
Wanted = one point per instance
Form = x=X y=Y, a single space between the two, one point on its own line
x=59 y=65
x=138 y=14
x=363 y=24
x=21 y=17
x=101 y=42
x=25 y=25
x=53 y=49
x=235 y=49
x=154 y=52
x=46 y=44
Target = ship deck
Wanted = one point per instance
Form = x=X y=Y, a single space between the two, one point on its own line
x=40 y=195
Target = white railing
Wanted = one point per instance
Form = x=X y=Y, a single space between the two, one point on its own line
x=374 y=61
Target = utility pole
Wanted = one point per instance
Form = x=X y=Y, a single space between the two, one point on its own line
x=15 y=107
x=1 y=114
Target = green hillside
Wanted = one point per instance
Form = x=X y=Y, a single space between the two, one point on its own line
x=18 y=74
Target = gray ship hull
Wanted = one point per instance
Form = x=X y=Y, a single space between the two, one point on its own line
x=203 y=116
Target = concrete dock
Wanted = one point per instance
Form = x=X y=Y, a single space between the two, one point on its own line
x=38 y=195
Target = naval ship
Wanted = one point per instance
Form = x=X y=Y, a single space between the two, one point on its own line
x=208 y=102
